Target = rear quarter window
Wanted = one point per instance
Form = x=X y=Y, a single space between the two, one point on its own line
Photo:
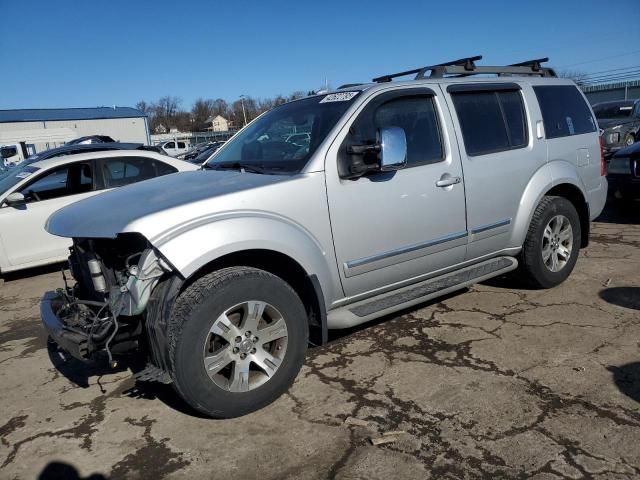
x=564 y=111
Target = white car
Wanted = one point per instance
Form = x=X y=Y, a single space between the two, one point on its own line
x=31 y=191
x=174 y=148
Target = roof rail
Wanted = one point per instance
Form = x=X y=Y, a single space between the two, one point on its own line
x=467 y=66
x=467 y=62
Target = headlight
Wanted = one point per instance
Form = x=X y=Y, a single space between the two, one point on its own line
x=619 y=165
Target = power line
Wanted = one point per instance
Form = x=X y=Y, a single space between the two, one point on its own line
x=629 y=77
x=615 y=75
x=613 y=70
x=601 y=59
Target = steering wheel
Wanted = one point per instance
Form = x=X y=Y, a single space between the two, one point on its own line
x=34 y=195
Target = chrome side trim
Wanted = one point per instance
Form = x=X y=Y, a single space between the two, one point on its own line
x=402 y=250
x=490 y=226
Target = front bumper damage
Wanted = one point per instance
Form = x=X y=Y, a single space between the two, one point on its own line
x=72 y=342
x=107 y=313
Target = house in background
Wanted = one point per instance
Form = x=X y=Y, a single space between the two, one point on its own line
x=218 y=124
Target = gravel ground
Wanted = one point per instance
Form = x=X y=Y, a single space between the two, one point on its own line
x=493 y=382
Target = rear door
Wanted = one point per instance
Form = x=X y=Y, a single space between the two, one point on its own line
x=500 y=153
x=398 y=226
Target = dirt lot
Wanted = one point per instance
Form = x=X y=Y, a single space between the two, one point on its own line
x=494 y=382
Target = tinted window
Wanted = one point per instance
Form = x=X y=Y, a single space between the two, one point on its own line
x=181 y=145
x=63 y=181
x=416 y=115
x=491 y=121
x=164 y=169
x=125 y=170
x=170 y=145
x=564 y=111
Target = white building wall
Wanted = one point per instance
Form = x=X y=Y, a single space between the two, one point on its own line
x=121 y=129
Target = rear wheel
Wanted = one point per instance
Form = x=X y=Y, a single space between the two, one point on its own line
x=551 y=248
x=237 y=340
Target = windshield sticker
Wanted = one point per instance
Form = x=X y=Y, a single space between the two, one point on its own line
x=572 y=131
x=23 y=174
x=339 y=97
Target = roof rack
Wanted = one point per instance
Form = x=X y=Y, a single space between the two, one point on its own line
x=467 y=66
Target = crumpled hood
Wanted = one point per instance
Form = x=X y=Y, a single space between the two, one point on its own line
x=107 y=214
x=605 y=123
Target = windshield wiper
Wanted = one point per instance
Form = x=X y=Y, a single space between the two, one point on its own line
x=247 y=167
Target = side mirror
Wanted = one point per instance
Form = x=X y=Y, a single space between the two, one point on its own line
x=387 y=154
x=14 y=199
x=393 y=149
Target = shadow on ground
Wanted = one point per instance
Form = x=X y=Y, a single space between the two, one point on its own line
x=623 y=213
x=65 y=471
x=627 y=297
x=627 y=379
x=33 y=272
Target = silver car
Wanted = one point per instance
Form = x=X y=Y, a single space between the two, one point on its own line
x=406 y=190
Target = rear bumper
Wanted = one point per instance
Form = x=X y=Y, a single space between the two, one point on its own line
x=73 y=343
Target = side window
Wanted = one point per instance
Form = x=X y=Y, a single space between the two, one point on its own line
x=491 y=121
x=164 y=168
x=170 y=145
x=181 y=145
x=564 y=111
x=416 y=115
x=63 y=181
x=120 y=171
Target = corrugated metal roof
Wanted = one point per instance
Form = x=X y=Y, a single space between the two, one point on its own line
x=52 y=114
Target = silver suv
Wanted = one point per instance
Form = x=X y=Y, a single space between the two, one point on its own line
x=406 y=190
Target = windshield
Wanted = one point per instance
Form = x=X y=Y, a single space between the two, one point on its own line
x=613 y=110
x=284 y=139
x=10 y=176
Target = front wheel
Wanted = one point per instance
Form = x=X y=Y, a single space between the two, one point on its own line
x=551 y=248
x=237 y=339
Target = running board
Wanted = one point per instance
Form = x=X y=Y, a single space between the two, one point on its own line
x=389 y=302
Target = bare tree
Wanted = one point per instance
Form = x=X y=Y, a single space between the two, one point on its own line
x=577 y=76
x=202 y=111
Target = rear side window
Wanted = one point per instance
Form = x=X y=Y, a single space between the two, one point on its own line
x=181 y=145
x=491 y=121
x=564 y=111
x=164 y=169
x=125 y=170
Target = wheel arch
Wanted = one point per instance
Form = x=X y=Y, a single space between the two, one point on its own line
x=557 y=178
x=306 y=285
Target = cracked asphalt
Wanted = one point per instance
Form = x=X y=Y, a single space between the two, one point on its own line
x=494 y=382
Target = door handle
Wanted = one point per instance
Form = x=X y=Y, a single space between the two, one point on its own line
x=448 y=181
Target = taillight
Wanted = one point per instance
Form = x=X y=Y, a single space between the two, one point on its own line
x=603 y=166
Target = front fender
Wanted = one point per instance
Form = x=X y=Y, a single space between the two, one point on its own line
x=551 y=174
x=192 y=247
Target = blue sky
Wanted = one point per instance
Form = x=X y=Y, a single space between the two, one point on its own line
x=75 y=54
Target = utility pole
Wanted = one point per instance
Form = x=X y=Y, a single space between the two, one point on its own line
x=244 y=112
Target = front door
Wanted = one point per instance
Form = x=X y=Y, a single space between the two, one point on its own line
x=22 y=227
x=397 y=227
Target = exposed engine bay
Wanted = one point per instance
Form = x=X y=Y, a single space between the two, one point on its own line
x=103 y=310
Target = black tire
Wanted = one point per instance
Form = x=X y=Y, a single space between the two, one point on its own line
x=195 y=311
x=532 y=268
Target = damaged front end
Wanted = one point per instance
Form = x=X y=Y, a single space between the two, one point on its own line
x=105 y=311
